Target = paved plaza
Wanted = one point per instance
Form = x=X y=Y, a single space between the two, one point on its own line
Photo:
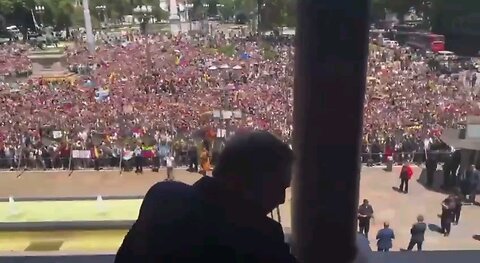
x=376 y=185
x=401 y=211
x=83 y=183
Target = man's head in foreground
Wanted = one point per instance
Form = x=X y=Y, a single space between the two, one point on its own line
x=257 y=166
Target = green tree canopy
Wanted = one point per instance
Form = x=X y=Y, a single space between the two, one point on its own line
x=459 y=15
x=277 y=13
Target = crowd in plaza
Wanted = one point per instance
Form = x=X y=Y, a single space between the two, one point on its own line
x=169 y=87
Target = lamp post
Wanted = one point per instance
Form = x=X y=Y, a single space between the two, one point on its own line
x=188 y=8
x=145 y=12
x=101 y=12
x=40 y=10
x=205 y=20
x=258 y=17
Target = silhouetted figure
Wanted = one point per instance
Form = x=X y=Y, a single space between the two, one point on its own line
x=193 y=158
x=457 y=198
x=450 y=169
x=446 y=218
x=219 y=219
x=431 y=164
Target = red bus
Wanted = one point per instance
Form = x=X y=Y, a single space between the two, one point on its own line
x=426 y=41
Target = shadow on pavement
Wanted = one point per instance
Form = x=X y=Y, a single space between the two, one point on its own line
x=437 y=181
x=435 y=228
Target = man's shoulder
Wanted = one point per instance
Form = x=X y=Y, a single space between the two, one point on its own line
x=385 y=231
x=169 y=198
x=420 y=226
x=167 y=188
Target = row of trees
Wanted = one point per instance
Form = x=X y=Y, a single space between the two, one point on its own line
x=63 y=14
x=271 y=13
x=58 y=13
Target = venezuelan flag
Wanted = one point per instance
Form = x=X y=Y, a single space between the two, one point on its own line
x=148 y=151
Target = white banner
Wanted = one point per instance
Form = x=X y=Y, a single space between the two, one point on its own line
x=57 y=134
x=221 y=133
x=81 y=154
x=127 y=155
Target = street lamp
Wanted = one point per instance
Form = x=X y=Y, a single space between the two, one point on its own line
x=188 y=8
x=101 y=11
x=40 y=10
x=145 y=12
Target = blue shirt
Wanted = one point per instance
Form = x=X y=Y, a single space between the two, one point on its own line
x=384 y=238
x=163 y=150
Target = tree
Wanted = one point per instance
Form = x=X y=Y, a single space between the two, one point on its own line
x=18 y=12
x=246 y=6
x=227 y=9
x=6 y=7
x=455 y=16
x=277 y=13
x=400 y=7
x=378 y=10
x=198 y=11
x=63 y=14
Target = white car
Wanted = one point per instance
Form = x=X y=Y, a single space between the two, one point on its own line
x=13 y=29
x=393 y=44
x=446 y=55
x=386 y=42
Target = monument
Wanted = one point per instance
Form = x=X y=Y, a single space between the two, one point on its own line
x=175 y=24
x=50 y=64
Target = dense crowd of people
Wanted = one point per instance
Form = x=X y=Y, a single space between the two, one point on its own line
x=168 y=87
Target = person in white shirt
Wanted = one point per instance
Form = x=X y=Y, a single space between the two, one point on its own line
x=138 y=159
x=169 y=159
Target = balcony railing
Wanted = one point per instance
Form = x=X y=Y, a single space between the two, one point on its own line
x=374 y=257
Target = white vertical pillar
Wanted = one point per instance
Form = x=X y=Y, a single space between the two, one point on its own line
x=88 y=27
x=174 y=18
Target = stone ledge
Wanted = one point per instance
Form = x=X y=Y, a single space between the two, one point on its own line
x=67 y=225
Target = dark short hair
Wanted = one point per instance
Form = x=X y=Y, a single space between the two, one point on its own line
x=420 y=218
x=251 y=154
